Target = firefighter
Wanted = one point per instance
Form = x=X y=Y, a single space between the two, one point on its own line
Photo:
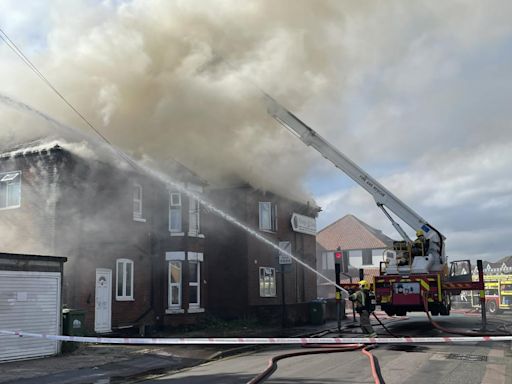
x=420 y=245
x=364 y=307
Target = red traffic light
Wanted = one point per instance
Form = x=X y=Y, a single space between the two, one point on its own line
x=338 y=255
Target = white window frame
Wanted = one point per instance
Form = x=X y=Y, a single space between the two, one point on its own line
x=271 y=224
x=176 y=207
x=137 y=201
x=124 y=265
x=179 y=258
x=267 y=285
x=195 y=257
x=10 y=178
x=194 y=209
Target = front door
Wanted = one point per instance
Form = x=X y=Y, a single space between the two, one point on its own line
x=103 y=301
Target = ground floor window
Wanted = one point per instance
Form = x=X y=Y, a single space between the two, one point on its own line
x=124 y=277
x=184 y=281
x=267 y=282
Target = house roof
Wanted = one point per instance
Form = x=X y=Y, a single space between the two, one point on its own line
x=351 y=233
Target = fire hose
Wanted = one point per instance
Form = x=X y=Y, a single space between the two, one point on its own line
x=322 y=348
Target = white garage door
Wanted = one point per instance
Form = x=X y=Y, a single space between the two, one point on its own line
x=29 y=301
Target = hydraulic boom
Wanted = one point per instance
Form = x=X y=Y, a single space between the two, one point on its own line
x=435 y=259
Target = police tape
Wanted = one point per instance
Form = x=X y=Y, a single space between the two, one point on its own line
x=257 y=340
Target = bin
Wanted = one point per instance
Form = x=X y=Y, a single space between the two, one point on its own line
x=72 y=325
x=317 y=312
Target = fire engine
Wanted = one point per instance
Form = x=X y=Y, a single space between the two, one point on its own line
x=412 y=277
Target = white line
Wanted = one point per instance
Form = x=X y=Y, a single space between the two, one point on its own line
x=258 y=340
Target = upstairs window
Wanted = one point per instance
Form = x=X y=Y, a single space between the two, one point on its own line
x=137 y=202
x=193 y=217
x=124 y=273
x=367 y=257
x=268 y=216
x=10 y=190
x=175 y=212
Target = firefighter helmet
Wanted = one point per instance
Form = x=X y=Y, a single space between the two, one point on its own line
x=363 y=284
x=419 y=233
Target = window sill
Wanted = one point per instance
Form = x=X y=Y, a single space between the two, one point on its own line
x=10 y=207
x=174 y=311
x=125 y=299
x=139 y=219
x=268 y=231
x=177 y=234
x=200 y=235
x=195 y=310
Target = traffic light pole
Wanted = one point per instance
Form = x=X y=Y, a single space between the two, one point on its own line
x=337 y=272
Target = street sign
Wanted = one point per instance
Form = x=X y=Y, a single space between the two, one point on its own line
x=283 y=257
x=304 y=224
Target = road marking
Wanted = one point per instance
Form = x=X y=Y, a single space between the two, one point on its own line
x=494 y=374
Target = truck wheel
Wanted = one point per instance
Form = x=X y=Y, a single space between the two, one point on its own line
x=401 y=313
x=492 y=307
x=390 y=312
x=434 y=312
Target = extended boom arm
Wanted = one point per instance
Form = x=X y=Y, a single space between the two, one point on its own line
x=382 y=196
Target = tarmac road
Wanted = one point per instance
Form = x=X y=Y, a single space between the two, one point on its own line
x=468 y=363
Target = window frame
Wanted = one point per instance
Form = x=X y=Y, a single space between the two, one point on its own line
x=194 y=208
x=137 y=214
x=195 y=284
x=271 y=290
x=170 y=304
x=176 y=207
x=15 y=180
x=124 y=296
x=365 y=254
x=271 y=226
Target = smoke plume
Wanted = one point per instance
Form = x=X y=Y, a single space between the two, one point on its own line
x=180 y=80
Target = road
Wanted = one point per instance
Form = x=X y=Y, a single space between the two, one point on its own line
x=466 y=363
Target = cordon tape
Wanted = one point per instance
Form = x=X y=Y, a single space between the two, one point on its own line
x=258 y=340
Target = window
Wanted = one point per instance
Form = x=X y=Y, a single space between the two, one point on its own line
x=268 y=216
x=175 y=212
x=10 y=190
x=175 y=282
x=124 y=273
x=367 y=257
x=193 y=221
x=175 y=268
x=328 y=260
x=194 y=281
x=137 y=202
x=267 y=282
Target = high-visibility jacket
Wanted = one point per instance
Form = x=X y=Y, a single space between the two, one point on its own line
x=363 y=300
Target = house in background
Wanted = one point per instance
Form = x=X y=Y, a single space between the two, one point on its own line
x=363 y=245
x=135 y=246
x=244 y=275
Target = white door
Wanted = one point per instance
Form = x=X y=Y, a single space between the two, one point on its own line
x=30 y=302
x=103 y=301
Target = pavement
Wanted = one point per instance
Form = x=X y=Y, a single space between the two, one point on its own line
x=105 y=363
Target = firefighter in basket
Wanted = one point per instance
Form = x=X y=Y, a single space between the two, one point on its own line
x=364 y=301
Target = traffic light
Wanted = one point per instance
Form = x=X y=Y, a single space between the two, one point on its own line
x=341 y=259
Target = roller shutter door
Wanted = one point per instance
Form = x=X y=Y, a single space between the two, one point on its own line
x=29 y=301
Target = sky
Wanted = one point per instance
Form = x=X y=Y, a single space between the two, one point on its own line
x=417 y=93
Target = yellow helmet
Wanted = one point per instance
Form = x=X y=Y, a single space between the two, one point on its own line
x=364 y=284
x=419 y=233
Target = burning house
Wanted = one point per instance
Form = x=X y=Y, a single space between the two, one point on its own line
x=135 y=246
x=247 y=277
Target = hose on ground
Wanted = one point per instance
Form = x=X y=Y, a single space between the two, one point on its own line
x=322 y=348
x=456 y=332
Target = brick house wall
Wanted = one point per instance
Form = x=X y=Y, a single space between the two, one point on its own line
x=235 y=257
x=83 y=209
